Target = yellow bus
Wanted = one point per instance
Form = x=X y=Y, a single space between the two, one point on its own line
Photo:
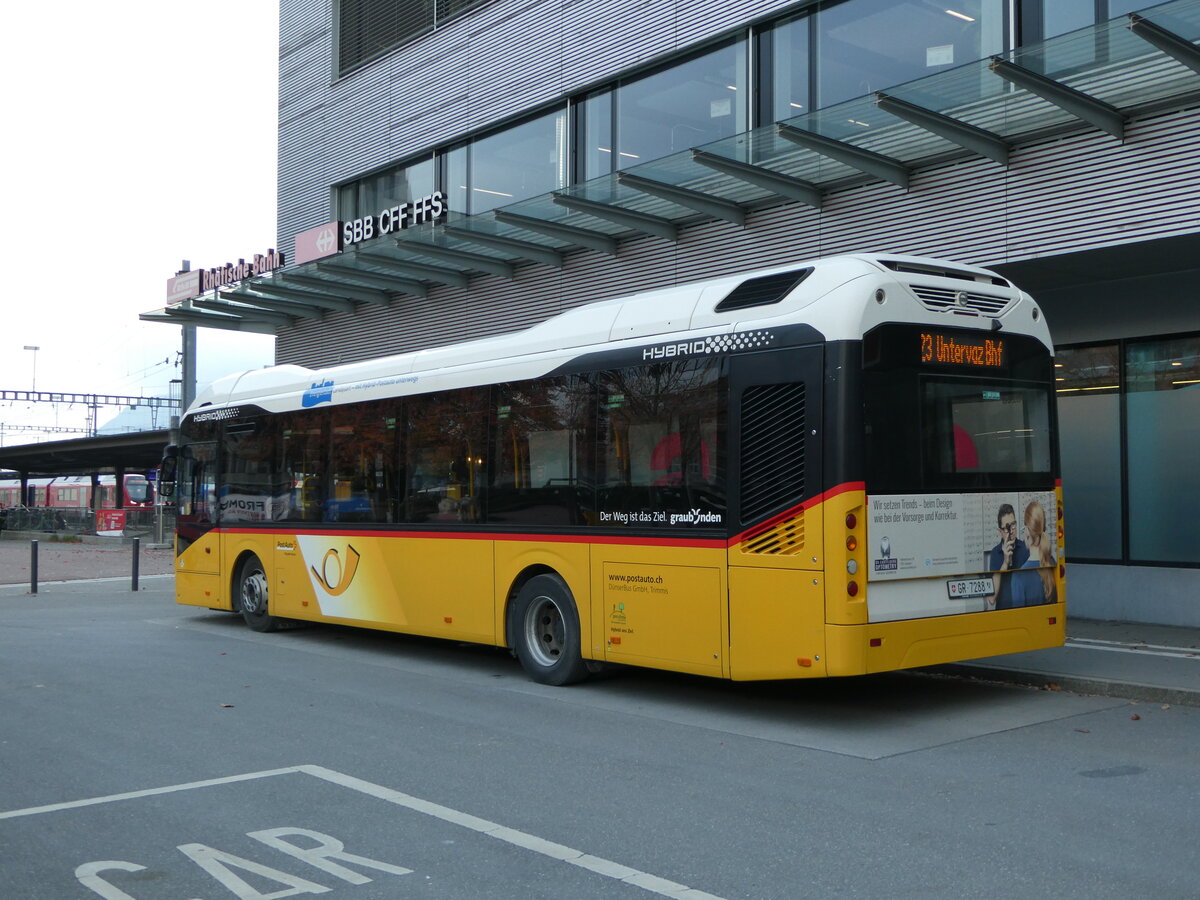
x=842 y=466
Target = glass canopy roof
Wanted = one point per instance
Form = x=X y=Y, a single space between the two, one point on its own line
x=1094 y=78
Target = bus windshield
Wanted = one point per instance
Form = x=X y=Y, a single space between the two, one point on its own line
x=137 y=489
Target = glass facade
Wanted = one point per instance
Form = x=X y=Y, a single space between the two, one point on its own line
x=518 y=162
x=862 y=46
x=383 y=190
x=690 y=103
x=1087 y=380
x=828 y=53
x=1132 y=407
x=1162 y=387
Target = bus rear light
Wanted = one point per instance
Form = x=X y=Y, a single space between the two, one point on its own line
x=1053 y=620
x=851 y=520
x=852 y=588
x=1062 y=571
x=876 y=642
x=852 y=543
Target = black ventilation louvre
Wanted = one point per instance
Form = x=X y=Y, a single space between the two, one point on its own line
x=367 y=28
x=772 y=448
x=762 y=291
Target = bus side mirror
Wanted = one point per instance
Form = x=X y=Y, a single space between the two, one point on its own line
x=166 y=472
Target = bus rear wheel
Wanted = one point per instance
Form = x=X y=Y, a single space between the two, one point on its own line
x=252 y=596
x=543 y=629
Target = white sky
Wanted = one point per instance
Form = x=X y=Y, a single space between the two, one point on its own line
x=139 y=134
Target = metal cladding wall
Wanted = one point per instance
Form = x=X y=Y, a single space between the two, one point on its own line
x=1081 y=191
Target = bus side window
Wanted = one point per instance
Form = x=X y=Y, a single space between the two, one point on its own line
x=446 y=450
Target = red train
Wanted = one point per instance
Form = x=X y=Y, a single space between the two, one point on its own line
x=75 y=492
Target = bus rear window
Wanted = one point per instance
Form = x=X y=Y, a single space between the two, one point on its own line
x=941 y=420
x=990 y=428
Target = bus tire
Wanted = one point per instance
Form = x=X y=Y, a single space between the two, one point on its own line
x=251 y=596
x=543 y=630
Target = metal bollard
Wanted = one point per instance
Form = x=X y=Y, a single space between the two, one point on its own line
x=137 y=544
x=33 y=567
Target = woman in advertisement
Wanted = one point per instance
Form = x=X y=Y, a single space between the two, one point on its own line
x=1033 y=584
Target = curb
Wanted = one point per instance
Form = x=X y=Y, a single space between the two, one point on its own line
x=1149 y=693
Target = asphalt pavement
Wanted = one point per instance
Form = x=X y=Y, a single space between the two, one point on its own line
x=1152 y=663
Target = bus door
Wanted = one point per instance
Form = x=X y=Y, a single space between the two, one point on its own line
x=776 y=560
x=196 y=546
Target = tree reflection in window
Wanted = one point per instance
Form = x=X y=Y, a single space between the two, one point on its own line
x=543 y=453
x=446 y=456
x=660 y=446
x=362 y=454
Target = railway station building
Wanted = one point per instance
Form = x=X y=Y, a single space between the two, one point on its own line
x=457 y=169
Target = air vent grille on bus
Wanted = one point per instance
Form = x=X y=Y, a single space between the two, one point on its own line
x=785 y=539
x=942 y=299
x=762 y=291
x=772 y=448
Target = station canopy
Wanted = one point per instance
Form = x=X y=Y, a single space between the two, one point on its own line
x=102 y=455
x=1099 y=78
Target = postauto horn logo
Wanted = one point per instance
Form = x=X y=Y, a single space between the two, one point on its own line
x=319 y=392
x=335 y=575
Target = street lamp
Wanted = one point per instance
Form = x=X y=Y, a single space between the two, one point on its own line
x=35 y=350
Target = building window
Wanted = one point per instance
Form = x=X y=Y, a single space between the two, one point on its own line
x=1162 y=385
x=368 y=28
x=1045 y=19
x=383 y=190
x=785 y=60
x=1132 y=407
x=862 y=46
x=693 y=102
x=1089 y=412
x=521 y=161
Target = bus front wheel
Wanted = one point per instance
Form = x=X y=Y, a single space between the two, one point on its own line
x=252 y=596
x=543 y=628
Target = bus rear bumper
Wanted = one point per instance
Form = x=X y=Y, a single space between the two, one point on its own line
x=913 y=643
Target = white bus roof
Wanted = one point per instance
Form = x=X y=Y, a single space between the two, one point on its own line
x=915 y=289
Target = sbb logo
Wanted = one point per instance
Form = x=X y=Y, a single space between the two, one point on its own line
x=358 y=230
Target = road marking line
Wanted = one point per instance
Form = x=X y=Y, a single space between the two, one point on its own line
x=604 y=867
x=599 y=865
x=24 y=585
x=1140 y=649
x=151 y=792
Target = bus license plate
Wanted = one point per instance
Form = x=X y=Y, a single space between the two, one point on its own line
x=966 y=588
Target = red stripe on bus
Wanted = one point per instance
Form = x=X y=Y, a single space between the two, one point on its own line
x=714 y=543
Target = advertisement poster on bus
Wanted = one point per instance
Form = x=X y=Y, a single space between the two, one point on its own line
x=934 y=535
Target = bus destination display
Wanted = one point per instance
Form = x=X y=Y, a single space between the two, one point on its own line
x=955 y=350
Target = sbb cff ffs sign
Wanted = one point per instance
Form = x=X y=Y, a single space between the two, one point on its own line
x=395 y=218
